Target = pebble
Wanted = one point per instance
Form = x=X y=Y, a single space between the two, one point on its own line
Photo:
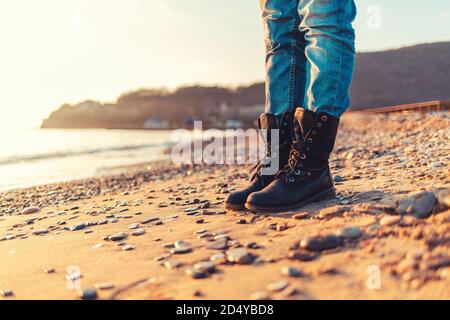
x=443 y=197
x=149 y=220
x=219 y=244
x=390 y=220
x=350 y=232
x=218 y=258
x=127 y=247
x=6 y=293
x=240 y=256
x=79 y=226
x=278 y=286
x=118 y=236
x=182 y=250
x=104 y=286
x=138 y=232
x=260 y=295
x=133 y=226
x=420 y=204
x=302 y=255
x=291 y=272
x=196 y=274
x=332 y=212
x=205 y=266
x=321 y=243
x=49 y=270
x=173 y=264
x=88 y=294
x=30 y=210
x=40 y=232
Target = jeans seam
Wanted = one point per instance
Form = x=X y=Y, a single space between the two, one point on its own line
x=293 y=65
x=333 y=107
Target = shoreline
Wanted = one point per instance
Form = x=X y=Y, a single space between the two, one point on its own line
x=162 y=232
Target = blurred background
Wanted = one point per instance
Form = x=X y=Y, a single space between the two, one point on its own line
x=78 y=67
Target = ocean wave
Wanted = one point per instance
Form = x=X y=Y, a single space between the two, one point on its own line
x=52 y=155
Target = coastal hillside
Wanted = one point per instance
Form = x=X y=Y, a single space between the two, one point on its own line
x=407 y=75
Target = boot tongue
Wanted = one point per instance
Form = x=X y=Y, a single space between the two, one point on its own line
x=304 y=120
x=267 y=122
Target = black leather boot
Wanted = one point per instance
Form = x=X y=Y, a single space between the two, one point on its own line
x=267 y=121
x=307 y=177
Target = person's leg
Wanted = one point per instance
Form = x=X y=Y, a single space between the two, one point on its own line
x=285 y=87
x=330 y=52
x=285 y=56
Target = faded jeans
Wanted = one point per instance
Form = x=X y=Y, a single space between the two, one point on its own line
x=310 y=54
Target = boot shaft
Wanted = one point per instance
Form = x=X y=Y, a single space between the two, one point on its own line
x=314 y=136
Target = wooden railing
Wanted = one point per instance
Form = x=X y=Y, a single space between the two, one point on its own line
x=421 y=107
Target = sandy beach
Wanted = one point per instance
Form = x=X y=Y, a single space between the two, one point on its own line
x=161 y=232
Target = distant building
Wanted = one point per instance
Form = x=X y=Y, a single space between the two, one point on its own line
x=156 y=123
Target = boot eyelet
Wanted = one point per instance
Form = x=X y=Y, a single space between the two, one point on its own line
x=319 y=124
x=310 y=140
x=291 y=179
x=297 y=172
x=303 y=156
x=274 y=155
x=309 y=174
x=324 y=118
x=314 y=132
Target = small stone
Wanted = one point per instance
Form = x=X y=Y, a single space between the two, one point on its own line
x=260 y=295
x=301 y=216
x=338 y=178
x=49 y=270
x=390 y=220
x=332 y=212
x=30 y=210
x=219 y=244
x=78 y=226
x=6 y=293
x=88 y=294
x=205 y=266
x=302 y=255
x=133 y=226
x=138 y=232
x=173 y=264
x=321 y=243
x=199 y=221
x=350 y=232
x=118 y=236
x=218 y=258
x=240 y=256
x=420 y=204
x=443 y=197
x=104 y=286
x=150 y=220
x=291 y=272
x=40 y=232
x=196 y=274
x=127 y=247
x=182 y=250
x=278 y=286
x=181 y=244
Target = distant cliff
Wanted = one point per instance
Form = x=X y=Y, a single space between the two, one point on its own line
x=406 y=75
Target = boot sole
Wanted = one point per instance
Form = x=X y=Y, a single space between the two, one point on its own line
x=324 y=195
x=235 y=207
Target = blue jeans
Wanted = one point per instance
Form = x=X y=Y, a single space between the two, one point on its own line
x=310 y=54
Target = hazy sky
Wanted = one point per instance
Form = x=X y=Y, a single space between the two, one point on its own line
x=56 y=51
